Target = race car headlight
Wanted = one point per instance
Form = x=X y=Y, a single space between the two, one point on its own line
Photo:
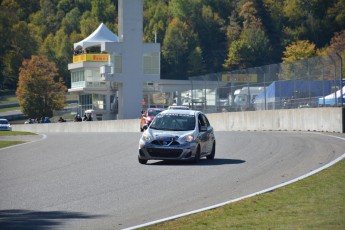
x=146 y=136
x=189 y=138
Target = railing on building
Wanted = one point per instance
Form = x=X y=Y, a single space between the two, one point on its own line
x=93 y=57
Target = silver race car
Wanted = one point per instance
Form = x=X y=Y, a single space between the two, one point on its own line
x=178 y=135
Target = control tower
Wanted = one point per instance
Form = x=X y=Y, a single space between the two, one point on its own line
x=110 y=81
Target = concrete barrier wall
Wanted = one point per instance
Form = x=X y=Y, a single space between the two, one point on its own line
x=309 y=119
x=85 y=126
x=313 y=119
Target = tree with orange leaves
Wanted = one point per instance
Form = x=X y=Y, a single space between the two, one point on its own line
x=299 y=50
x=40 y=91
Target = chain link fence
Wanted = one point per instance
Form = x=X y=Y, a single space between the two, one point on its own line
x=308 y=83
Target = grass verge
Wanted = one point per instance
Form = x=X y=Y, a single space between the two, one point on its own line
x=4 y=144
x=2 y=110
x=7 y=143
x=316 y=202
x=8 y=97
x=15 y=133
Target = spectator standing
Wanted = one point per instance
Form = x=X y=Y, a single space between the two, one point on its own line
x=77 y=118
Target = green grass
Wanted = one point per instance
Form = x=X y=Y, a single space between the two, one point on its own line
x=18 y=122
x=317 y=202
x=4 y=144
x=9 y=109
x=7 y=143
x=8 y=99
x=15 y=133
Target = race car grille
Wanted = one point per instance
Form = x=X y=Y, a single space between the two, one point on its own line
x=159 y=142
x=161 y=152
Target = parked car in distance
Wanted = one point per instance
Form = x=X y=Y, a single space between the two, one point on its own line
x=178 y=107
x=5 y=125
x=147 y=116
x=178 y=135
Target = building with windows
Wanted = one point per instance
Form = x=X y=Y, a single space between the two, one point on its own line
x=109 y=72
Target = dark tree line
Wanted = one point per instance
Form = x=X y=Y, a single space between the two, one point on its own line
x=196 y=36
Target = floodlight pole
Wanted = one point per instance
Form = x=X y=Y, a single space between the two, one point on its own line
x=341 y=75
x=335 y=76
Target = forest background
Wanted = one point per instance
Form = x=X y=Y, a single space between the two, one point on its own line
x=196 y=36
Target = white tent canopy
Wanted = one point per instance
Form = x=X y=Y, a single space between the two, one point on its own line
x=101 y=34
x=337 y=94
x=333 y=98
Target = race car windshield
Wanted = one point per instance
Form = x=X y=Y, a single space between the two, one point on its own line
x=174 y=122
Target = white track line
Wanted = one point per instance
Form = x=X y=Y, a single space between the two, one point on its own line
x=243 y=197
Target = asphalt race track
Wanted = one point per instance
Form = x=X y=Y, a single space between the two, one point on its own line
x=94 y=180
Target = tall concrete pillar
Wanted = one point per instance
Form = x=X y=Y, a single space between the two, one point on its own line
x=131 y=36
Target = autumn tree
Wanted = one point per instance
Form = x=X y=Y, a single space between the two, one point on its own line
x=156 y=19
x=252 y=48
x=16 y=42
x=40 y=91
x=196 y=63
x=295 y=55
x=177 y=45
x=338 y=45
x=103 y=10
x=338 y=42
x=314 y=20
x=217 y=34
x=211 y=31
x=299 y=50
